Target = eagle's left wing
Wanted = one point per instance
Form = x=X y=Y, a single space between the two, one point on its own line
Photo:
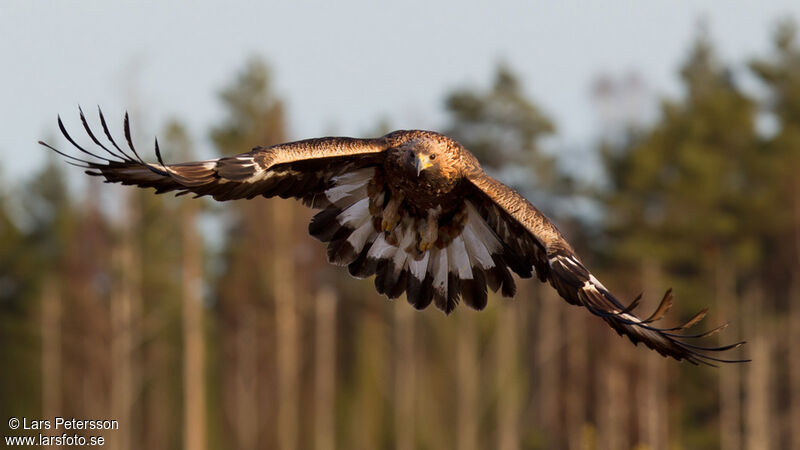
x=530 y=238
x=301 y=169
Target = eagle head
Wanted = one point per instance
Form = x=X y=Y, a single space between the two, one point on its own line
x=423 y=161
x=431 y=158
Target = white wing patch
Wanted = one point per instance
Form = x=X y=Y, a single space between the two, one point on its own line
x=440 y=268
x=401 y=256
x=419 y=268
x=459 y=259
x=259 y=172
x=481 y=230
x=349 y=187
x=356 y=214
x=360 y=236
x=596 y=282
x=476 y=248
x=381 y=249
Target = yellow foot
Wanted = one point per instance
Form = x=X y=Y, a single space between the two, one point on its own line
x=425 y=245
x=387 y=225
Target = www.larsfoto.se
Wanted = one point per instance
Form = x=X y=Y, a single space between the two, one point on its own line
x=63 y=440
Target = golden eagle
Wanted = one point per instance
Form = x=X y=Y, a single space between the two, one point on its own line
x=415 y=209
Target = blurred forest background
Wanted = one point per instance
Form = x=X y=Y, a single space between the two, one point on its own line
x=238 y=335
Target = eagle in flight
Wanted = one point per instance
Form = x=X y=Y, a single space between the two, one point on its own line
x=415 y=209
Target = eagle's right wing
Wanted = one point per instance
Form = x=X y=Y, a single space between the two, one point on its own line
x=301 y=169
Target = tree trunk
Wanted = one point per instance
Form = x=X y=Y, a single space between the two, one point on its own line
x=325 y=371
x=793 y=331
x=577 y=377
x=793 y=340
x=194 y=366
x=51 y=349
x=283 y=280
x=549 y=345
x=614 y=399
x=246 y=379
x=653 y=416
x=371 y=382
x=730 y=403
x=757 y=409
x=405 y=373
x=125 y=306
x=509 y=388
x=467 y=382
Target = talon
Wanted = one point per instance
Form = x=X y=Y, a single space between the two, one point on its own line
x=387 y=225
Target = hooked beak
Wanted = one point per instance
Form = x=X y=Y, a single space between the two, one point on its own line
x=422 y=162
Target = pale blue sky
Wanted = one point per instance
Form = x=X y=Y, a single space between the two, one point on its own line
x=340 y=66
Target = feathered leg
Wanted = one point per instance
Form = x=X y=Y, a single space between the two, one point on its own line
x=430 y=233
x=391 y=215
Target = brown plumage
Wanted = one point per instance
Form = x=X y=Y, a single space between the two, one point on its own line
x=415 y=209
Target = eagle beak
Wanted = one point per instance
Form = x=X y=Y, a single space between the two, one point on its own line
x=422 y=162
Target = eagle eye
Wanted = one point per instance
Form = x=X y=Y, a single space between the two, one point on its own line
x=433 y=157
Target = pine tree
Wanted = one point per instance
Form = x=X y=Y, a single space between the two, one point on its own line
x=504 y=129
x=678 y=192
x=193 y=314
x=258 y=276
x=780 y=202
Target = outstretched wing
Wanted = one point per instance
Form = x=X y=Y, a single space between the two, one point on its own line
x=531 y=239
x=301 y=169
